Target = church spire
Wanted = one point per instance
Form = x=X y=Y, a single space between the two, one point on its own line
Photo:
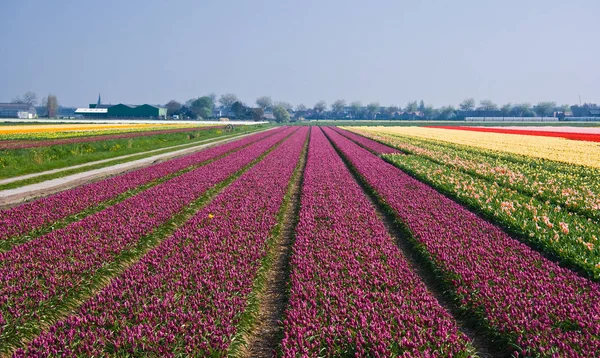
x=99 y=99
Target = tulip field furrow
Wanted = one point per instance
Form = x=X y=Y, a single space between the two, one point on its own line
x=38 y=277
x=185 y=297
x=352 y=290
x=531 y=303
x=570 y=238
x=26 y=218
x=557 y=212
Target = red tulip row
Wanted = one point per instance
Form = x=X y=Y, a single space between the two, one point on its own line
x=526 y=300
x=588 y=137
x=352 y=291
x=40 y=277
x=185 y=297
x=23 y=219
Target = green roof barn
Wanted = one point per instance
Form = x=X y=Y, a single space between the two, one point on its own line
x=142 y=111
x=123 y=111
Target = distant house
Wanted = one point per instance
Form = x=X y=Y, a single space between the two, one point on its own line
x=268 y=115
x=17 y=110
x=586 y=111
x=221 y=111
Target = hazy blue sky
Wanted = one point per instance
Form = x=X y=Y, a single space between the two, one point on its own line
x=144 y=51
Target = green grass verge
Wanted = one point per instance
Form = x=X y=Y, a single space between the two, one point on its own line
x=64 y=173
x=16 y=162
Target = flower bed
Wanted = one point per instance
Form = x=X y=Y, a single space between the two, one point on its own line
x=526 y=300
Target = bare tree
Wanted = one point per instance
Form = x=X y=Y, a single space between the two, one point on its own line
x=51 y=103
x=320 y=107
x=288 y=106
x=301 y=108
x=29 y=98
x=487 y=105
x=338 y=106
x=467 y=105
x=227 y=100
x=264 y=102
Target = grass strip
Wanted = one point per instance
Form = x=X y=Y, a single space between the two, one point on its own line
x=61 y=174
x=17 y=162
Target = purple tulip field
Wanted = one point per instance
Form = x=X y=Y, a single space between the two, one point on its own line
x=25 y=219
x=352 y=291
x=523 y=298
x=179 y=259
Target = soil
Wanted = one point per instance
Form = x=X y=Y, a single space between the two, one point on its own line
x=266 y=336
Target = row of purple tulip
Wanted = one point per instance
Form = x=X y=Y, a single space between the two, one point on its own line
x=25 y=218
x=352 y=290
x=185 y=296
x=529 y=301
x=371 y=145
x=39 y=277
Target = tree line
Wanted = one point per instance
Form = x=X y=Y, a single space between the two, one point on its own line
x=265 y=108
x=229 y=105
x=48 y=105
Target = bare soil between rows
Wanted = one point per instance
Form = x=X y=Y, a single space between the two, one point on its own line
x=265 y=338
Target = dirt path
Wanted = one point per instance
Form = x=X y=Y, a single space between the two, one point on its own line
x=53 y=171
x=16 y=196
x=268 y=329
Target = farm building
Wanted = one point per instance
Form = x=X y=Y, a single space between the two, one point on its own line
x=134 y=111
x=17 y=110
x=122 y=111
x=92 y=112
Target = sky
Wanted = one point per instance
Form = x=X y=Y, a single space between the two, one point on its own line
x=391 y=52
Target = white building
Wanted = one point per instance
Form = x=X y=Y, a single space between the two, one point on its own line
x=17 y=110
